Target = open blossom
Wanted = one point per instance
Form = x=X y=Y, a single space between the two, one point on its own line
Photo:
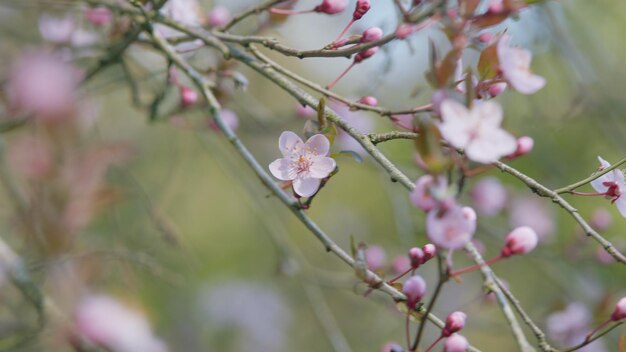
x=515 y=67
x=612 y=185
x=303 y=163
x=451 y=227
x=477 y=131
x=106 y=323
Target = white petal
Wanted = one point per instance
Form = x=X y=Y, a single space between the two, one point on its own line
x=283 y=169
x=603 y=163
x=452 y=111
x=491 y=145
x=321 y=166
x=489 y=113
x=317 y=145
x=306 y=187
x=526 y=82
x=289 y=143
x=620 y=203
x=597 y=184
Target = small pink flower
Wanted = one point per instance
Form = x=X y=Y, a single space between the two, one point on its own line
x=106 y=323
x=56 y=29
x=368 y=100
x=477 y=131
x=454 y=322
x=416 y=255
x=489 y=196
x=371 y=34
x=520 y=241
x=515 y=67
x=218 y=17
x=375 y=257
x=429 y=192
x=99 y=16
x=612 y=185
x=430 y=251
x=331 y=7
x=496 y=89
x=456 y=343
x=303 y=163
x=188 y=96
x=525 y=145
x=620 y=310
x=414 y=288
x=451 y=227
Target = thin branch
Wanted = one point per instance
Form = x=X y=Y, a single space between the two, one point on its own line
x=594 y=176
x=251 y=11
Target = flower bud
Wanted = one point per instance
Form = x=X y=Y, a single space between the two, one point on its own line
x=485 y=37
x=404 y=30
x=454 y=323
x=368 y=100
x=414 y=288
x=188 y=96
x=331 y=7
x=366 y=54
x=371 y=34
x=524 y=145
x=218 y=17
x=99 y=16
x=620 y=310
x=496 y=89
x=362 y=6
x=430 y=251
x=416 y=256
x=520 y=241
x=455 y=343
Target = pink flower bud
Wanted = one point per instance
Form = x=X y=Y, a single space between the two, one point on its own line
x=455 y=343
x=404 y=30
x=368 y=100
x=485 y=37
x=454 y=323
x=601 y=219
x=496 y=89
x=331 y=7
x=99 y=16
x=620 y=310
x=375 y=257
x=371 y=34
x=421 y=195
x=188 y=96
x=429 y=251
x=218 y=17
x=416 y=255
x=524 y=145
x=520 y=241
x=400 y=264
x=414 y=288
x=362 y=6
x=366 y=54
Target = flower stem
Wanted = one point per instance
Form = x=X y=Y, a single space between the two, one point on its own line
x=406 y=330
x=344 y=30
x=340 y=76
x=594 y=331
x=434 y=343
x=476 y=266
x=399 y=276
x=288 y=11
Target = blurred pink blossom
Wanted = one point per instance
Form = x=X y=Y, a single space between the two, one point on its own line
x=520 y=241
x=106 y=323
x=451 y=227
x=375 y=257
x=414 y=288
x=570 y=326
x=99 y=16
x=455 y=343
x=56 y=29
x=612 y=185
x=489 y=196
x=515 y=67
x=532 y=212
x=476 y=130
x=218 y=17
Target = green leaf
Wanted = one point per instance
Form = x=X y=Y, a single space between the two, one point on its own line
x=349 y=153
x=488 y=62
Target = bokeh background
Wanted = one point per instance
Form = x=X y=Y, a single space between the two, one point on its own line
x=188 y=235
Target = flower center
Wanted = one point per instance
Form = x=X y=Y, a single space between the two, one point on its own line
x=613 y=191
x=302 y=165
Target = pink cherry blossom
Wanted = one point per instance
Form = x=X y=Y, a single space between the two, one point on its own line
x=454 y=322
x=371 y=34
x=515 y=67
x=477 y=131
x=305 y=164
x=188 y=96
x=570 y=326
x=496 y=89
x=430 y=251
x=362 y=6
x=612 y=185
x=456 y=343
x=99 y=16
x=520 y=241
x=416 y=255
x=489 y=196
x=620 y=310
x=219 y=16
x=331 y=7
x=533 y=212
x=400 y=264
x=368 y=100
x=375 y=257
x=414 y=288
x=525 y=145
x=451 y=227
x=43 y=85
x=429 y=192
x=108 y=324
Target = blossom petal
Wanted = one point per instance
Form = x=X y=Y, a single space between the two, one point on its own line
x=491 y=146
x=598 y=183
x=620 y=203
x=321 y=166
x=289 y=144
x=488 y=113
x=456 y=123
x=283 y=169
x=306 y=187
x=317 y=145
x=526 y=82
